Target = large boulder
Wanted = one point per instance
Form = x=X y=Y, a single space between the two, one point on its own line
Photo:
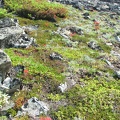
x=12 y=35
x=5 y=64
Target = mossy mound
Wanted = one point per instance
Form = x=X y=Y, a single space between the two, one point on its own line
x=36 y=9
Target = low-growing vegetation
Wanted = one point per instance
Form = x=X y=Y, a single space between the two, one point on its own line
x=36 y=9
x=96 y=94
x=3 y=13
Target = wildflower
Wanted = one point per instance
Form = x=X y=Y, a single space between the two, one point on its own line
x=72 y=34
x=45 y=118
x=96 y=24
x=26 y=72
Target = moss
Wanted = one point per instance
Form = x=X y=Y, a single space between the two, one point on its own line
x=3 y=13
x=11 y=111
x=22 y=118
x=55 y=97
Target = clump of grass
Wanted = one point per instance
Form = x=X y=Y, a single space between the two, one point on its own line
x=36 y=9
x=3 y=13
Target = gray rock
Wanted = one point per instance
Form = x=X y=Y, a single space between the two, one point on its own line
x=63 y=87
x=76 y=118
x=115 y=53
x=65 y=32
x=109 y=63
x=117 y=38
x=7 y=22
x=10 y=85
x=5 y=64
x=100 y=5
x=70 y=82
x=12 y=35
x=76 y=30
x=104 y=7
x=31 y=27
x=93 y=45
x=55 y=56
x=1 y=3
x=117 y=73
x=33 y=108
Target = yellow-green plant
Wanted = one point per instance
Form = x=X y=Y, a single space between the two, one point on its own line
x=3 y=12
x=3 y=99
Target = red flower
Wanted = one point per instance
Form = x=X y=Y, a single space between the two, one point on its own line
x=72 y=34
x=96 y=23
x=44 y=45
x=26 y=72
x=45 y=118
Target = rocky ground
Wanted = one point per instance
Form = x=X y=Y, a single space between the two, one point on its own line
x=66 y=70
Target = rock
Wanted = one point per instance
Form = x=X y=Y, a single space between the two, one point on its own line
x=93 y=45
x=99 y=5
x=109 y=63
x=33 y=107
x=118 y=12
x=86 y=14
x=14 y=71
x=19 y=69
x=113 y=16
x=12 y=35
x=7 y=22
x=76 y=118
x=109 y=44
x=1 y=3
x=117 y=38
x=23 y=41
x=68 y=31
x=86 y=17
x=115 y=53
x=76 y=30
x=10 y=85
x=55 y=56
x=104 y=7
x=117 y=74
x=63 y=87
x=5 y=64
x=30 y=27
x=117 y=1
x=78 y=6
